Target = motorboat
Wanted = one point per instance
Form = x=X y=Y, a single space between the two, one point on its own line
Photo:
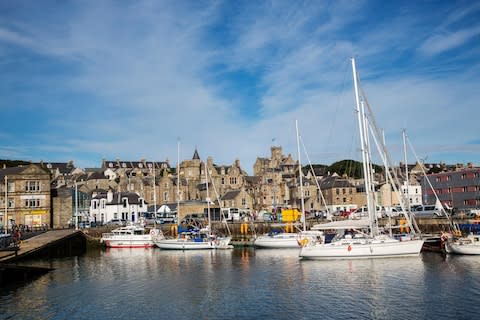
x=132 y=236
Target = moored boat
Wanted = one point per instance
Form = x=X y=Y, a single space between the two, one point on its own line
x=193 y=239
x=363 y=238
x=467 y=245
x=131 y=236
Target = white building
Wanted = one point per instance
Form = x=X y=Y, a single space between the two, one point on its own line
x=413 y=193
x=106 y=206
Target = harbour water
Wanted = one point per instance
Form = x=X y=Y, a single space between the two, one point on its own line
x=245 y=284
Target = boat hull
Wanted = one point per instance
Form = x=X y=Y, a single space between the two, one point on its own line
x=462 y=249
x=129 y=243
x=191 y=244
x=182 y=244
x=385 y=249
x=279 y=241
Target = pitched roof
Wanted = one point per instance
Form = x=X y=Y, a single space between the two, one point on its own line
x=230 y=195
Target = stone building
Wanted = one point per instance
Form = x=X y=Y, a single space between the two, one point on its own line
x=276 y=174
x=340 y=193
x=25 y=196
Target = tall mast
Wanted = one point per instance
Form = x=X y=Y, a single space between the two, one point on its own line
x=208 y=199
x=178 y=182
x=154 y=193
x=361 y=125
x=5 y=216
x=407 y=192
x=300 y=177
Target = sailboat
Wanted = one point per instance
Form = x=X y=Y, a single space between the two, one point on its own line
x=362 y=238
x=283 y=240
x=193 y=238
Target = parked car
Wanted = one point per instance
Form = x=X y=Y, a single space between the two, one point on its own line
x=363 y=212
x=427 y=211
x=117 y=222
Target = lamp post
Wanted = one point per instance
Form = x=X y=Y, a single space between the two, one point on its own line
x=5 y=216
x=76 y=205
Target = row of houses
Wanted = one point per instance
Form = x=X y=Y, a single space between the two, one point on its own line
x=51 y=194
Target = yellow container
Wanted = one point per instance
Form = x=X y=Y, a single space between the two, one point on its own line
x=290 y=215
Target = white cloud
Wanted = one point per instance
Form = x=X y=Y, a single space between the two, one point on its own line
x=140 y=76
x=439 y=43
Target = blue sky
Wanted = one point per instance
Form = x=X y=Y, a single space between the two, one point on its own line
x=88 y=80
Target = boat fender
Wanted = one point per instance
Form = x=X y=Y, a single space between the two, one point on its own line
x=303 y=242
x=349 y=248
x=444 y=237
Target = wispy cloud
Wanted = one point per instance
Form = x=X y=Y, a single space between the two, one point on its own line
x=125 y=79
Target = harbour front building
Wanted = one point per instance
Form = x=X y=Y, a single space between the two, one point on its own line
x=25 y=197
x=107 y=206
x=459 y=189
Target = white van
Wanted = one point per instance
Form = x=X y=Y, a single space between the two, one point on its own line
x=427 y=211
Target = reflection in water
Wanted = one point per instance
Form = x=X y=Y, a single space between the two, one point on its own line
x=245 y=284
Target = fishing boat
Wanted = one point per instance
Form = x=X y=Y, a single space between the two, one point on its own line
x=132 y=236
x=355 y=239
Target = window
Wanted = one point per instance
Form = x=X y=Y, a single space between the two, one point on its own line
x=32 y=203
x=165 y=196
x=124 y=202
x=11 y=187
x=233 y=180
x=465 y=189
x=11 y=203
x=464 y=176
x=32 y=186
x=244 y=202
x=223 y=180
x=449 y=178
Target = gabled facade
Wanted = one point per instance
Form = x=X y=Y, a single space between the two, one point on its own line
x=25 y=195
x=111 y=205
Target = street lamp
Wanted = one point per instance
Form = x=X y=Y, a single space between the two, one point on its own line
x=76 y=205
x=5 y=216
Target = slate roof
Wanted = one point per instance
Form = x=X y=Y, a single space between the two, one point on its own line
x=230 y=195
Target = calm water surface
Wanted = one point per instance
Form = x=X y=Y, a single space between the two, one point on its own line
x=246 y=284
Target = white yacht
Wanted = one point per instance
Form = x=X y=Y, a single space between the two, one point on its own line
x=363 y=238
x=468 y=245
x=131 y=236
